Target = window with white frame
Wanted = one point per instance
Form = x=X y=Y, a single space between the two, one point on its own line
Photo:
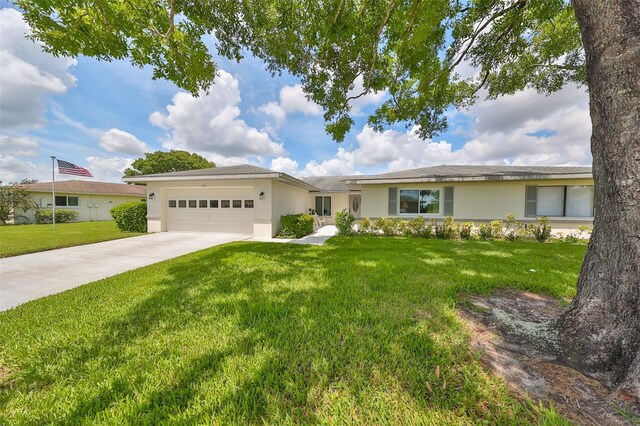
x=67 y=201
x=565 y=201
x=419 y=201
x=579 y=201
x=323 y=206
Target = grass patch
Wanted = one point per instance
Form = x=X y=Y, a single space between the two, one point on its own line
x=360 y=331
x=23 y=239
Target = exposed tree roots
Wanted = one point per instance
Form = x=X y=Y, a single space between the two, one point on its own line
x=512 y=331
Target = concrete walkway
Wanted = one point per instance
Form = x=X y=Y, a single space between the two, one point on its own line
x=318 y=238
x=31 y=276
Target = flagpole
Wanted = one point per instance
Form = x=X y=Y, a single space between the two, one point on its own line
x=53 y=189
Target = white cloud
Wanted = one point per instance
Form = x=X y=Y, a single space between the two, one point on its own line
x=503 y=131
x=116 y=140
x=285 y=165
x=27 y=74
x=371 y=98
x=221 y=160
x=274 y=110
x=108 y=169
x=18 y=146
x=342 y=164
x=510 y=112
x=293 y=99
x=210 y=124
x=400 y=150
x=14 y=169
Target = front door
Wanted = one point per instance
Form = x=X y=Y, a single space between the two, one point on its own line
x=355 y=204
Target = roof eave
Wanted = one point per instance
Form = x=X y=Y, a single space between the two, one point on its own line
x=63 y=191
x=471 y=178
x=290 y=180
x=282 y=177
x=147 y=179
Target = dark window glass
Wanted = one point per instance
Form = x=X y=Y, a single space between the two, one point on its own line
x=182 y=203
x=225 y=204
x=72 y=201
x=237 y=204
x=193 y=204
x=323 y=206
x=202 y=204
x=172 y=203
x=409 y=200
x=319 y=206
x=327 y=206
x=248 y=204
x=430 y=201
x=61 y=200
x=213 y=204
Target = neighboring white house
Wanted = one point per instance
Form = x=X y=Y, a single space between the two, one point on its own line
x=92 y=200
x=249 y=199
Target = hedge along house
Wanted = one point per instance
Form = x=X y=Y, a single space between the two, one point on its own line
x=482 y=193
x=250 y=200
x=92 y=200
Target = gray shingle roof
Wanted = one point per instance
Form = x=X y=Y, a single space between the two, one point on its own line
x=244 y=169
x=330 y=183
x=461 y=171
x=88 y=187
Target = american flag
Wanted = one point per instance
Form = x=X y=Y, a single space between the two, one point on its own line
x=66 y=168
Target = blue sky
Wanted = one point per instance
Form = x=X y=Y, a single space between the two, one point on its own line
x=104 y=115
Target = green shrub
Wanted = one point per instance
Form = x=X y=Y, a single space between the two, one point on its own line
x=572 y=239
x=417 y=226
x=296 y=225
x=542 y=231
x=496 y=229
x=584 y=229
x=466 y=230
x=286 y=232
x=344 y=222
x=402 y=227
x=448 y=230
x=62 y=216
x=485 y=231
x=427 y=232
x=365 y=225
x=385 y=225
x=131 y=217
x=513 y=230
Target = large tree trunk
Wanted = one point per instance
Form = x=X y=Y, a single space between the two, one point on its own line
x=600 y=331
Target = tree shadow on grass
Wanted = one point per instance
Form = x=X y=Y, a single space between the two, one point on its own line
x=263 y=333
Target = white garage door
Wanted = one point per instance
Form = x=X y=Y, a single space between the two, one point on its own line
x=211 y=209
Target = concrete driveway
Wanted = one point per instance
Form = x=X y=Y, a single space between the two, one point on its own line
x=31 y=276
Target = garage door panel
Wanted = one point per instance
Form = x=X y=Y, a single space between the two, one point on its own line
x=210 y=219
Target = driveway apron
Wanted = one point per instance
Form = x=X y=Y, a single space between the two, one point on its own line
x=31 y=276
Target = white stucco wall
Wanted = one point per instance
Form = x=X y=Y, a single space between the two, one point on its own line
x=473 y=201
x=157 y=208
x=287 y=199
x=91 y=207
x=339 y=201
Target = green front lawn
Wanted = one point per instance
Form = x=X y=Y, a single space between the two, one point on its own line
x=22 y=239
x=361 y=330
